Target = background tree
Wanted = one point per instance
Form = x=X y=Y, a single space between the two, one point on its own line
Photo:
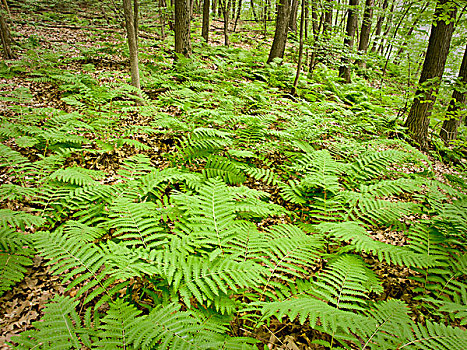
x=205 y=29
x=5 y=35
x=293 y=16
x=352 y=19
x=433 y=67
x=327 y=16
x=300 y=48
x=130 y=21
x=365 y=31
x=379 y=25
x=225 y=6
x=457 y=107
x=182 y=27
x=282 y=26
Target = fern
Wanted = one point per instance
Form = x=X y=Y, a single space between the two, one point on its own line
x=78 y=262
x=76 y=176
x=361 y=241
x=436 y=336
x=59 y=329
x=15 y=255
x=19 y=219
x=225 y=169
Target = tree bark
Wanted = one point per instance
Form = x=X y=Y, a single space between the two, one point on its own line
x=5 y=35
x=314 y=18
x=352 y=19
x=379 y=25
x=365 y=31
x=457 y=109
x=253 y=10
x=182 y=27
x=225 y=13
x=438 y=48
x=205 y=29
x=132 y=44
x=327 y=20
x=239 y=12
x=293 y=16
x=387 y=29
x=282 y=26
x=300 y=47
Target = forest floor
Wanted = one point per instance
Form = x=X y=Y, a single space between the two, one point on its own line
x=53 y=39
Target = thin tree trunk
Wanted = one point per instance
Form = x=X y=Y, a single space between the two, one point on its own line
x=214 y=7
x=136 y=18
x=365 y=31
x=293 y=16
x=205 y=29
x=379 y=26
x=438 y=48
x=300 y=48
x=280 y=35
x=182 y=28
x=129 y=14
x=327 y=21
x=6 y=7
x=314 y=18
x=239 y=11
x=387 y=29
x=409 y=33
x=344 y=69
x=225 y=13
x=253 y=10
x=457 y=109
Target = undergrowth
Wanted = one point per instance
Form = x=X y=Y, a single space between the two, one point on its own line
x=266 y=208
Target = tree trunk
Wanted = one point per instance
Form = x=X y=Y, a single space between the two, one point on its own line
x=387 y=29
x=457 y=109
x=409 y=33
x=132 y=44
x=205 y=29
x=225 y=13
x=327 y=20
x=253 y=10
x=6 y=7
x=379 y=25
x=352 y=19
x=182 y=27
x=300 y=47
x=438 y=48
x=293 y=16
x=314 y=18
x=5 y=37
x=282 y=26
x=365 y=31
x=214 y=7
x=239 y=11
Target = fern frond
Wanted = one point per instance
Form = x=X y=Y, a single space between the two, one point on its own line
x=346 y=282
x=371 y=165
x=19 y=219
x=77 y=176
x=436 y=336
x=265 y=175
x=224 y=168
x=14 y=256
x=361 y=241
x=78 y=262
x=137 y=224
x=59 y=329
x=12 y=192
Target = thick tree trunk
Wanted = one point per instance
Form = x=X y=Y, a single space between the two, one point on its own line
x=132 y=43
x=300 y=48
x=352 y=19
x=5 y=37
x=205 y=29
x=379 y=26
x=438 y=48
x=365 y=31
x=280 y=36
x=457 y=109
x=293 y=16
x=182 y=27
